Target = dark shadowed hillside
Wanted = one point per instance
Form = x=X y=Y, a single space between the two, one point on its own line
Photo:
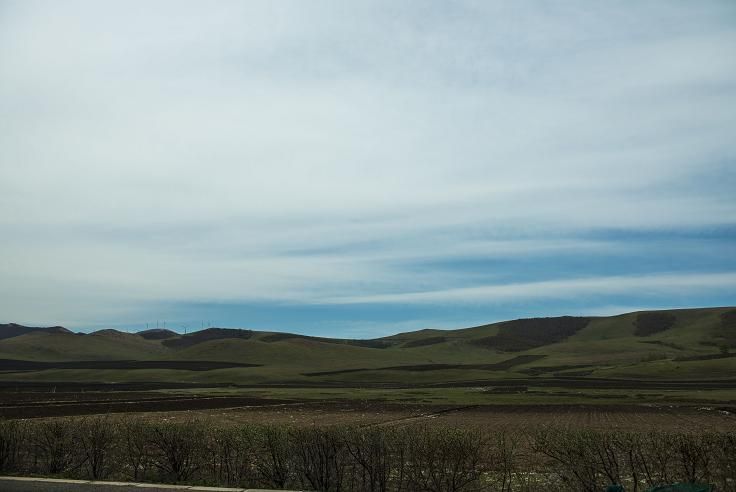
x=158 y=334
x=207 y=335
x=524 y=334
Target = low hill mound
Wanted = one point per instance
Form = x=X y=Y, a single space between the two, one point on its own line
x=11 y=330
x=157 y=334
x=207 y=335
x=65 y=346
x=280 y=337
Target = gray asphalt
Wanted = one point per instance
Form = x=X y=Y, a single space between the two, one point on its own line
x=41 y=485
x=16 y=486
x=8 y=486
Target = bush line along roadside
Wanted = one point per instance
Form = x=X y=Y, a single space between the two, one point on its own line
x=412 y=458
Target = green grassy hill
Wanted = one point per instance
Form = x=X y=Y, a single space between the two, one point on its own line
x=59 y=346
x=674 y=344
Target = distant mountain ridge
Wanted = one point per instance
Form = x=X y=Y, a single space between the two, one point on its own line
x=685 y=343
x=11 y=330
x=513 y=335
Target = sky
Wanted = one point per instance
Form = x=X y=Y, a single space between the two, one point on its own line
x=357 y=169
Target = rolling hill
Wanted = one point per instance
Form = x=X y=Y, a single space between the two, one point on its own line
x=673 y=344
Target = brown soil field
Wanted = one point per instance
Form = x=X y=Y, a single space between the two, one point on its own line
x=512 y=417
x=239 y=410
x=119 y=404
x=36 y=400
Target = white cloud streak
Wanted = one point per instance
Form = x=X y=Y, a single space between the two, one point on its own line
x=196 y=151
x=643 y=285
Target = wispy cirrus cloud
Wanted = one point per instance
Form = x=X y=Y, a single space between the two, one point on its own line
x=182 y=152
x=643 y=285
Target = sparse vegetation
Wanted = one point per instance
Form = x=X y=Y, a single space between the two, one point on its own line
x=376 y=459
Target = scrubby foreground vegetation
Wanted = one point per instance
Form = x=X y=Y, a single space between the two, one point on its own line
x=413 y=458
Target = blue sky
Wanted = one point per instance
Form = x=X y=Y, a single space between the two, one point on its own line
x=357 y=169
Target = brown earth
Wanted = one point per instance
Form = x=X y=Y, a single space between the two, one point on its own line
x=239 y=409
x=61 y=408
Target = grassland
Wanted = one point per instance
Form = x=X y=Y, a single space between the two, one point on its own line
x=647 y=383
x=678 y=355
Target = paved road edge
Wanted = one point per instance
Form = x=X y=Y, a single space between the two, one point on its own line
x=131 y=484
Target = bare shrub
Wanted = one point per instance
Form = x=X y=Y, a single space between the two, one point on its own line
x=321 y=457
x=274 y=464
x=374 y=459
x=96 y=438
x=665 y=457
x=694 y=454
x=576 y=458
x=13 y=434
x=444 y=459
x=637 y=468
x=588 y=460
x=135 y=449
x=232 y=452
x=724 y=461
x=654 y=458
x=177 y=449
x=374 y=452
x=509 y=465
x=53 y=446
